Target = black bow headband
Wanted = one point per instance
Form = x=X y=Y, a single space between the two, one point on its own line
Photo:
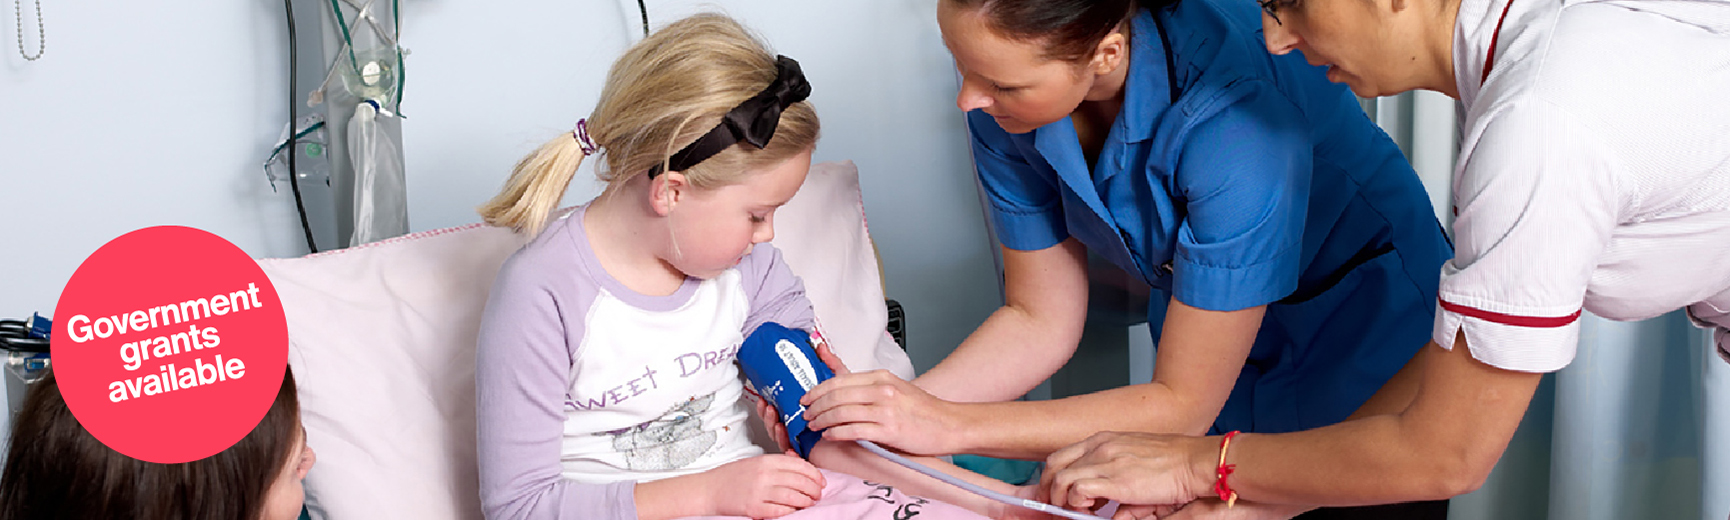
x=753 y=121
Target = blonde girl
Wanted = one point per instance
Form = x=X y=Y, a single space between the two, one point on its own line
x=606 y=386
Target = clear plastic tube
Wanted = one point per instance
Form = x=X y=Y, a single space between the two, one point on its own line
x=973 y=488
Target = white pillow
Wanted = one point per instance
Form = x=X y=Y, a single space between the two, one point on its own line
x=382 y=338
x=822 y=236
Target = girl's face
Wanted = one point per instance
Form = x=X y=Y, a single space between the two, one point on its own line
x=286 y=496
x=1353 y=38
x=1010 y=80
x=714 y=229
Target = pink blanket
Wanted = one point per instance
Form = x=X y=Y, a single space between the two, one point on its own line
x=850 y=498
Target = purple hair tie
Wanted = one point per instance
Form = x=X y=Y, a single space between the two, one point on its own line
x=581 y=134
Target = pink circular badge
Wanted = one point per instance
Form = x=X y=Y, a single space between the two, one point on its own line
x=169 y=344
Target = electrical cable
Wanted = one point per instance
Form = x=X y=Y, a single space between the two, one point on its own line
x=401 y=69
x=293 y=115
x=17 y=336
x=645 y=11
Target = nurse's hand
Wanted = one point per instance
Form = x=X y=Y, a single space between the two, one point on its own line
x=881 y=407
x=1215 y=509
x=1131 y=468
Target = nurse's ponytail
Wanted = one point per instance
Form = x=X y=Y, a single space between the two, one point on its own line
x=665 y=92
x=1070 y=29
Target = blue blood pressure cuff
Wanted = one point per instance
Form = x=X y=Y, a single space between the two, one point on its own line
x=782 y=366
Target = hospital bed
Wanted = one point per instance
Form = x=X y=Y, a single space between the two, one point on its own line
x=382 y=339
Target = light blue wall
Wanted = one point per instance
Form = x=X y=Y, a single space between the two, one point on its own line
x=151 y=113
x=139 y=114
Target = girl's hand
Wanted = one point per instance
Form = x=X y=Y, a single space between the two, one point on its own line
x=765 y=486
x=771 y=420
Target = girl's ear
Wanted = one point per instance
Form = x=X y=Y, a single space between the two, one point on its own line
x=666 y=191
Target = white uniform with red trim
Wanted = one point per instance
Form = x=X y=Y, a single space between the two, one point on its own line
x=1594 y=172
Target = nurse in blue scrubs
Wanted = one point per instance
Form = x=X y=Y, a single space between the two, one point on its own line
x=1294 y=253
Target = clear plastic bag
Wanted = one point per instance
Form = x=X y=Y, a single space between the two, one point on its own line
x=380 y=190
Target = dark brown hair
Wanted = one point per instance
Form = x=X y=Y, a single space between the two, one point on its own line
x=55 y=469
x=1070 y=29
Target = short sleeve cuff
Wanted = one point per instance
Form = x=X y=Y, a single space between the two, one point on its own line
x=1030 y=230
x=1506 y=341
x=1232 y=288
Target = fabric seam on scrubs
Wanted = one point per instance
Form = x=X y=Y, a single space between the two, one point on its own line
x=1450 y=325
x=1405 y=266
x=1269 y=286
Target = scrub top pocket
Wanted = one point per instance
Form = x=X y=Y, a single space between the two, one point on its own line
x=1338 y=343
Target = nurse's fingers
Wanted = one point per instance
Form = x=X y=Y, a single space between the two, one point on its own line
x=1131 y=468
x=842 y=381
x=1079 y=492
x=883 y=398
x=857 y=432
x=834 y=416
x=1063 y=458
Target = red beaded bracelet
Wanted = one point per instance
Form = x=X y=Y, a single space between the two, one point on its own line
x=1220 y=487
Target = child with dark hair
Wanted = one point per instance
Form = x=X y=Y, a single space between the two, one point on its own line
x=56 y=469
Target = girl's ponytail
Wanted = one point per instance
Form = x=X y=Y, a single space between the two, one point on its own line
x=536 y=185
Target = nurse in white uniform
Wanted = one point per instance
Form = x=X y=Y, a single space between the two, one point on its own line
x=1594 y=175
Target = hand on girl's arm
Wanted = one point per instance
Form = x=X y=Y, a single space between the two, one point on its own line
x=1441 y=444
x=881 y=407
x=1215 y=509
x=903 y=417
x=848 y=457
x=1021 y=344
x=1201 y=353
x=1148 y=469
x=1144 y=473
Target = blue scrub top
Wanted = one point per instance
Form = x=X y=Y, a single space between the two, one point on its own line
x=1263 y=184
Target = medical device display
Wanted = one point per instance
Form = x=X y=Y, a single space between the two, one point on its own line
x=782 y=366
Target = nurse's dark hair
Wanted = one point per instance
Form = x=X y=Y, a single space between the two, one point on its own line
x=1069 y=29
x=55 y=469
